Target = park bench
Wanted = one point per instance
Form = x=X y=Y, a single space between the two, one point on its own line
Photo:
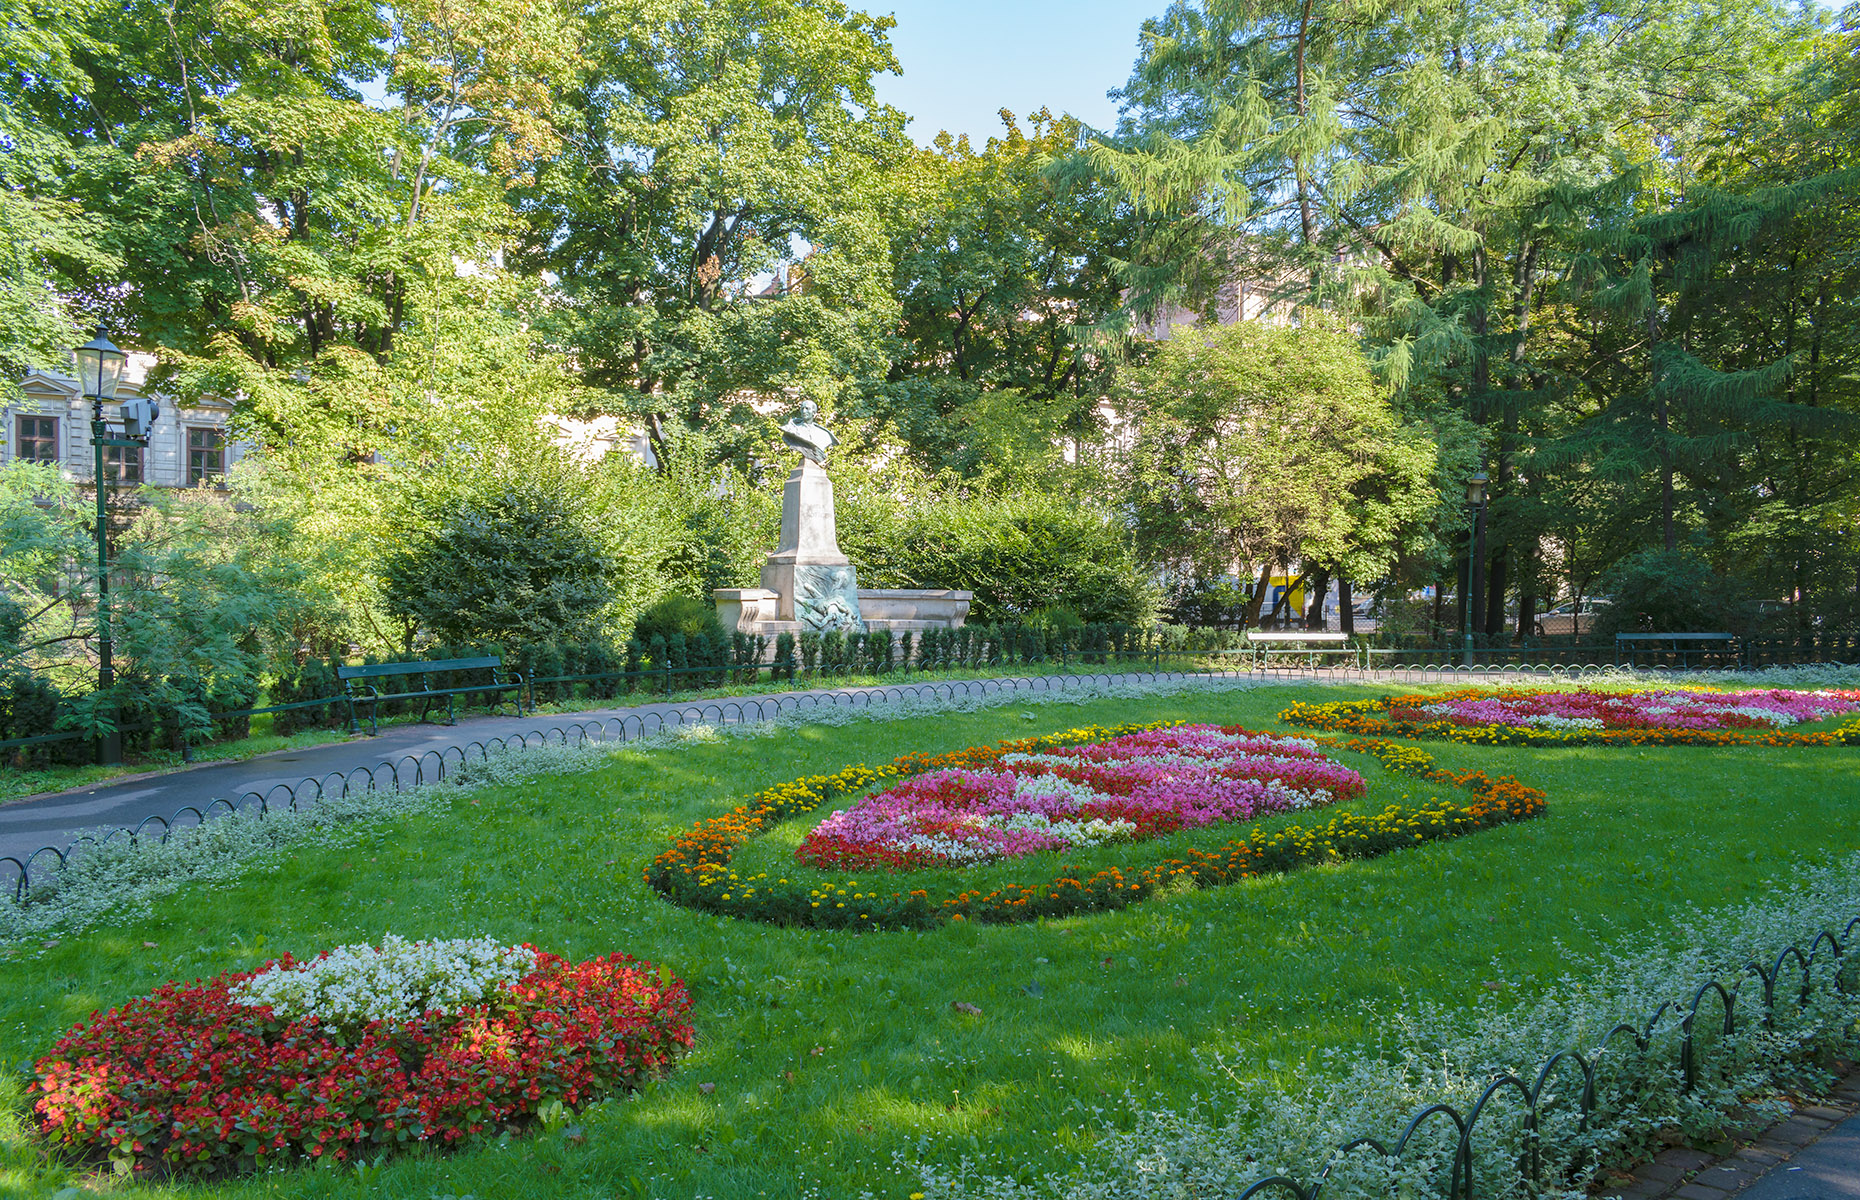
x=1685 y=645
x=366 y=693
x=1307 y=648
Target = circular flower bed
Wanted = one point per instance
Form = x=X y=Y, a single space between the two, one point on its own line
x=341 y=1056
x=1538 y=717
x=696 y=871
x=1131 y=788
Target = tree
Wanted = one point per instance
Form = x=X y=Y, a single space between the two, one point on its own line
x=515 y=558
x=713 y=221
x=1004 y=261
x=269 y=229
x=1422 y=168
x=1262 y=446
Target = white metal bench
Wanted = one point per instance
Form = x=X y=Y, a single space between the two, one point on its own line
x=1306 y=649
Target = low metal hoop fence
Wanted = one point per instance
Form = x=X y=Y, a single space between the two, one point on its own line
x=1672 y=1038
x=434 y=766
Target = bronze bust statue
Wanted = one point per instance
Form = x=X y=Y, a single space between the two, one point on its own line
x=812 y=440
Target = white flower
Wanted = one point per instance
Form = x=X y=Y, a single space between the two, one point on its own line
x=399 y=980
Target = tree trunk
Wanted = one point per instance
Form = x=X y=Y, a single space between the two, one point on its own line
x=1318 y=589
x=1527 y=594
x=1346 y=612
x=1251 y=619
x=1496 y=583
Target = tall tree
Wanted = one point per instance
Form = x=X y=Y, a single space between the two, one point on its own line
x=713 y=222
x=1423 y=167
x=1262 y=446
x=264 y=224
x=1005 y=264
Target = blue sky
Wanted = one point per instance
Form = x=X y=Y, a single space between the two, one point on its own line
x=964 y=60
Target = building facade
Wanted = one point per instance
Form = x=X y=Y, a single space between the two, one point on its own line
x=49 y=422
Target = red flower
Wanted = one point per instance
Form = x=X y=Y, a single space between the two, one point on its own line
x=186 y=1080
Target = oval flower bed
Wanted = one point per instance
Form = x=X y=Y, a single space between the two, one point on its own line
x=1540 y=717
x=696 y=871
x=356 y=1051
x=1131 y=788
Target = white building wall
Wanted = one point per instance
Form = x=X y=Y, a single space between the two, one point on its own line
x=164 y=461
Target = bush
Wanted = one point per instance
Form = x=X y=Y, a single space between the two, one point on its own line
x=1017 y=553
x=518 y=561
x=30 y=707
x=686 y=616
x=313 y=680
x=1659 y=591
x=191 y=1081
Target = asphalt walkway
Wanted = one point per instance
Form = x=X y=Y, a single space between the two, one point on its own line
x=403 y=755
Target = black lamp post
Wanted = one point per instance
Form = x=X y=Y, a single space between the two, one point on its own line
x=100 y=369
x=1475 y=578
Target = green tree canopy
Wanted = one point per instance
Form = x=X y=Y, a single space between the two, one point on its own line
x=1259 y=445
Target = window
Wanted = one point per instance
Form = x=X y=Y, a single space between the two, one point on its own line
x=206 y=455
x=122 y=465
x=36 y=439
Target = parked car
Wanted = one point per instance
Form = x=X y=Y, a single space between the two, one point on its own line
x=1572 y=617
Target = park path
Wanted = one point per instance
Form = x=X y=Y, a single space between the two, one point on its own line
x=1811 y=1154
x=403 y=755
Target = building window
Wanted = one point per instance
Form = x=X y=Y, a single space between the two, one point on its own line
x=122 y=465
x=36 y=439
x=206 y=455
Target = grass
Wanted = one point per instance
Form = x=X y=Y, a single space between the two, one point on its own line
x=20 y=782
x=832 y=1052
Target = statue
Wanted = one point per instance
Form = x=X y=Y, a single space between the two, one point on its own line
x=812 y=440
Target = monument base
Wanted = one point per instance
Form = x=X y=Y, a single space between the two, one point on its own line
x=808 y=585
x=757 y=611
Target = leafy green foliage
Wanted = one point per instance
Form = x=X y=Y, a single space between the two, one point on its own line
x=714 y=219
x=1659 y=591
x=1004 y=263
x=1018 y=552
x=687 y=616
x=1267 y=444
x=512 y=559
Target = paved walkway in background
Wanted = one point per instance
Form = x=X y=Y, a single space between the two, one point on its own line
x=1813 y=1154
x=56 y=819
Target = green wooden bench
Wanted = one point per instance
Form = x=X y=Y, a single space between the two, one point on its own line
x=367 y=693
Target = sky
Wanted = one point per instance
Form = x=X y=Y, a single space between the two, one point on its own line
x=965 y=60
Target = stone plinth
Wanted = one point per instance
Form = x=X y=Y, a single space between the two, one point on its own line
x=918 y=608
x=743 y=608
x=813 y=582
x=808 y=585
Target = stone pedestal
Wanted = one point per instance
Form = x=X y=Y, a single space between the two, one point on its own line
x=808 y=585
x=814 y=583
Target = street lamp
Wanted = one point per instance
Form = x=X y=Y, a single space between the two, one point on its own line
x=100 y=369
x=1475 y=556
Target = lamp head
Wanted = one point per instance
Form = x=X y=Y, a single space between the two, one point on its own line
x=139 y=417
x=99 y=367
x=1475 y=489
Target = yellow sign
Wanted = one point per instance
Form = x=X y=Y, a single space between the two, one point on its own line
x=1275 y=591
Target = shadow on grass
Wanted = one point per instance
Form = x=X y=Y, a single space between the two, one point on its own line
x=830 y=1052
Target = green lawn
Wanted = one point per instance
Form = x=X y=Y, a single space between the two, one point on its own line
x=830 y=1052
x=20 y=782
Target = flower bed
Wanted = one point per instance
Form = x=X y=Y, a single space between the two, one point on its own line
x=696 y=870
x=209 y=1079
x=1131 y=788
x=1538 y=717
